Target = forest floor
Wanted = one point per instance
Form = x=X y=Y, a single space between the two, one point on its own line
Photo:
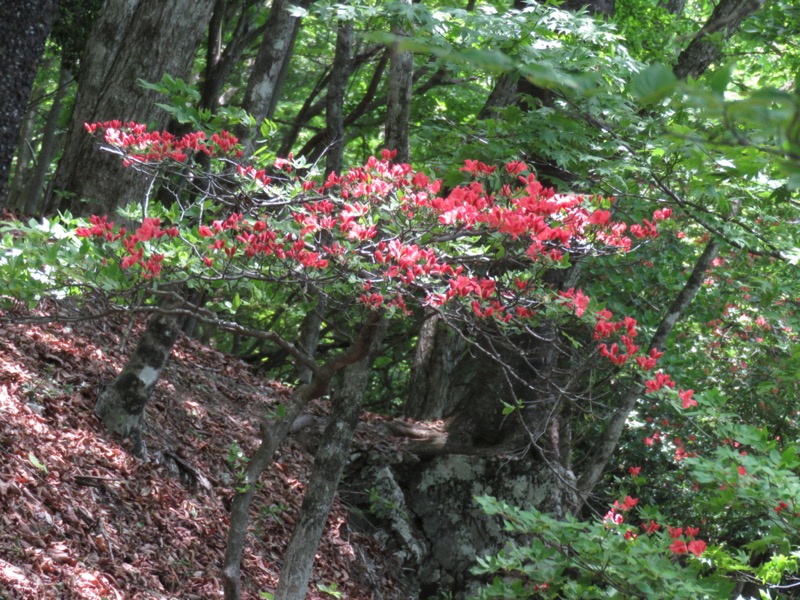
x=80 y=517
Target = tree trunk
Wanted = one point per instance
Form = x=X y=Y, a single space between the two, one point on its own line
x=121 y=405
x=398 y=107
x=48 y=147
x=24 y=165
x=265 y=81
x=131 y=40
x=435 y=358
x=334 y=113
x=674 y=7
x=329 y=463
x=23 y=31
x=608 y=443
x=219 y=62
x=311 y=148
x=309 y=338
x=702 y=51
x=272 y=434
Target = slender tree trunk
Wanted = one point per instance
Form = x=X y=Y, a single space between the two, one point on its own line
x=674 y=7
x=692 y=62
x=48 y=148
x=340 y=72
x=311 y=148
x=329 y=463
x=603 y=452
x=309 y=338
x=219 y=62
x=272 y=434
x=121 y=405
x=131 y=40
x=265 y=81
x=25 y=165
x=24 y=27
x=398 y=107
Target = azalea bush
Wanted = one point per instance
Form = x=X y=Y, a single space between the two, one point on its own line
x=250 y=238
x=618 y=555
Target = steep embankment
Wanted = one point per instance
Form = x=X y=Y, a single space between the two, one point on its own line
x=81 y=518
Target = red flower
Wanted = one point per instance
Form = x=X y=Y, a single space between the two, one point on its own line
x=686 y=398
x=600 y=217
x=515 y=167
x=781 y=506
x=742 y=471
x=697 y=547
x=634 y=471
x=675 y=532
x=692 y=531
x=650 y=528
x=629 y=503
x=679 y=547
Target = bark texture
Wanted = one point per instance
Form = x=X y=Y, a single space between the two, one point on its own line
x=398 y=107
x=263 y=87
x=703 y=51
x=131 y=40
x=329 y=462
x=48 y=147
x=334 y=112
x=437 y=352
x=121 y=405
x=23 y=31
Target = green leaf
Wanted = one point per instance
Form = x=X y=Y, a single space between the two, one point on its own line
x=653 y=84
x=37 y=463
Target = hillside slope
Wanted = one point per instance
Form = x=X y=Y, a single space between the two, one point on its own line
x=81 y=518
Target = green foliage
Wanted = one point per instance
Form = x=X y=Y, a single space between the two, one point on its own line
x=331 y=590
x=570 y=558
x=183 y=102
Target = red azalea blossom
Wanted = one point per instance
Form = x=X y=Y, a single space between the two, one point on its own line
x=686 y=398
x=697 y=547
x=650 y=528
x=634 y=471
x=675 y=532
x=679 y=547
x=629 y=503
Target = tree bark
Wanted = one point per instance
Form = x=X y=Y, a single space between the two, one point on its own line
x=263 y=87
x=48 y=147
x=272 y=435
x=131 y=40
x=398 y=107
x=334 y=112
x=702 y=51
x=23 y=31
x=435 y=358
x=329 y=463
x=310 y=148
x=121 y=405
x=309 y=338
x=24 y=164
x=219 y=62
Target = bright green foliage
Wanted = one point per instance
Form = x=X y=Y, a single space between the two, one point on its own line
x=569 y=558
